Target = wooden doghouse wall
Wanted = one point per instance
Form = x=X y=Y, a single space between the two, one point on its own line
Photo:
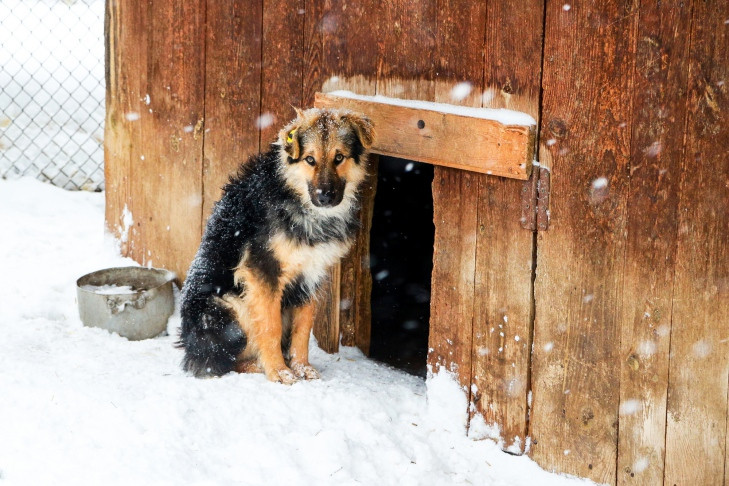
x=605 y=339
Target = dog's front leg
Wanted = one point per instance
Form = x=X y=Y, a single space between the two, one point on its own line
x=268 y=340
x=303 y=320
x=259 y=315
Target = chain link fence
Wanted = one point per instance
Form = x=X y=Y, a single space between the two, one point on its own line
x=52 y=91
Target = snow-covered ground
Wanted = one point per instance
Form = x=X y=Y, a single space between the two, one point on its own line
x=81 y=406
x=52 y=90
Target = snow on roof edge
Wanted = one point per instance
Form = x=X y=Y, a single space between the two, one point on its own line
x=501 y=115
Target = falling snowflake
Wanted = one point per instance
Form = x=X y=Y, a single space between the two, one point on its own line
x=461 y=90
x=654 y=150
x=599 y=190
x=630 y=406
x=701 y=348
x=264 y=121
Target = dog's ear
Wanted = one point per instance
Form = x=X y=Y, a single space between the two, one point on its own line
x=288 y=138
x=363 y=126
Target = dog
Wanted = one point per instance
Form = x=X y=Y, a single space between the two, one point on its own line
x=287 y=216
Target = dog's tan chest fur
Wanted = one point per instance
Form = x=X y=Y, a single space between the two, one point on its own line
x=309 y=261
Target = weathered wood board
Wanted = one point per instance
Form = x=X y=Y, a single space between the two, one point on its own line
x=355 y=308
x=282 y=66
x=164 y=149
x=123 y=104
x=455 y=219
x=699 y=349
x=659 y=93
x=334 y=61
x=585 y=127
x=461 y=141
x=232 y=92
x=454 y=267
x=326 y=324
x=503 y=304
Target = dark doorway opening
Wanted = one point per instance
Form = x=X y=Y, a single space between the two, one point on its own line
x=401 y=258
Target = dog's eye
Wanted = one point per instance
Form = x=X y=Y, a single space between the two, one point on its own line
x=339 y=158
x=310 y=160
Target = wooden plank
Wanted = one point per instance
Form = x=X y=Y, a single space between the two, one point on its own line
x=167 y=187
x=363 y=275
x=125 y=75
x=458 y=48
x=326 y=322
x=156 y=57
x=407 y=32
x=459 y=52
x=445 y=139
x=334 y=36
x=232 y=91
x=699 y=366
x=454 y=267
x=356 y=278
x=578 y=292
x=282 y=69
x=659 y=113
x=351 y=46
x=503 y=307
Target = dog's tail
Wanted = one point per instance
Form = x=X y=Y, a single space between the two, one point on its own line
x=211 y=338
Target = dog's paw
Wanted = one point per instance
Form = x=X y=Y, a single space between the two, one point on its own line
x=305 y=371
x=284 y=375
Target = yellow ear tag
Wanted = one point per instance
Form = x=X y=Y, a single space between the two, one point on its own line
x=290 y=138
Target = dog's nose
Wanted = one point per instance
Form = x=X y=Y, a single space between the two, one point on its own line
x=325 y=197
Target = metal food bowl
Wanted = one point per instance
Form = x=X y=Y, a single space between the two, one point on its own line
x=134 y=302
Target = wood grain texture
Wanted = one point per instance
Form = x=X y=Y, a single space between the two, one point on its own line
x=699 y=367
x=659 y=114
x=341 y=52
x=326 y=319
x=168 y=187
x=282 y=66
x=355 y=313
x=351 y=45
x=406 y=73
x=578 y=287
x=454 y=268
x=161 y=179
x=408 y=34
x=125 y=77
x=444 y=139
x=503 y=307
x=458 y=48
x=232 y=91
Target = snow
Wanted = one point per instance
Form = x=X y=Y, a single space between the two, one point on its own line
x=265 y=120
x=507 y=117
x=109 y=289
x=701 y=348
x=82 y=406
x=461 y=90
x=630 y=406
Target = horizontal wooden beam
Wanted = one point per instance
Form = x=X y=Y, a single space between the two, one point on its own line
x=498 y=142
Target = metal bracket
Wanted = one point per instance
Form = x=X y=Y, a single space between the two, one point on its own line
x=535 y=200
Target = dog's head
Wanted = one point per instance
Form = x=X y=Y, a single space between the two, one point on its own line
x=324 y=155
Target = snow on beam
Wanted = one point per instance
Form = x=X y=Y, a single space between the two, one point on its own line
x=491 y=141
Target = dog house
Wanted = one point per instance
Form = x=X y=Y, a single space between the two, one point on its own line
x=587 y=316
